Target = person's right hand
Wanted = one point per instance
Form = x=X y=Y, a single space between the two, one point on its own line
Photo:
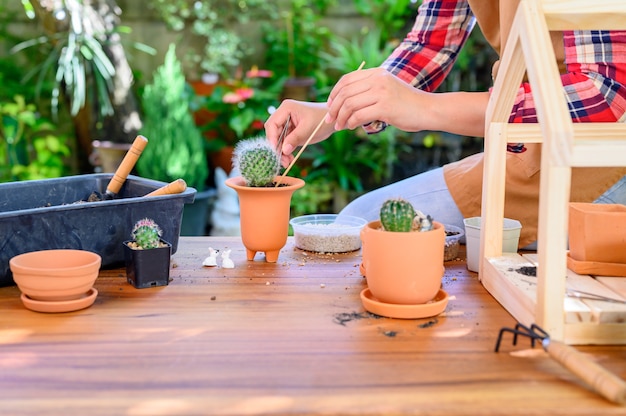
x=305 y=117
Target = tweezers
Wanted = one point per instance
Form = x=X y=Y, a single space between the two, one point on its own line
x=279 y=143
x=591 y=296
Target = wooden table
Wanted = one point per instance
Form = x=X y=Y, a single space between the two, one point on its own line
x=284 y=338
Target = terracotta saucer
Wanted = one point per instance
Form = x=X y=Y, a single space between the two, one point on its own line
x=61 y=306
x=390 y=310
x=596 y=268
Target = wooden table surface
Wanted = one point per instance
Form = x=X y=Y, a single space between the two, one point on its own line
x=285 y=338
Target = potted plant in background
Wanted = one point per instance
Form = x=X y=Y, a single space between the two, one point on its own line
x=176 y=147
x=264 y=197
x=235 y=109
x=215 y=34
x=403 y=262
x=147 y=256
x=292 y=50
x=82 y=57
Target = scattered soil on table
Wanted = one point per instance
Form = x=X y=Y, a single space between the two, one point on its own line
x=429 y=323
x=345 y=317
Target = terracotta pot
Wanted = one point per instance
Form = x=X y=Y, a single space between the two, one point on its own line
x=222 y=158
x=299 y=88
x=148 y=268
x=202 y=88
x=597 y=232
x=403 y=268
x=264 y=215
x=55 y=275
x=108 y=155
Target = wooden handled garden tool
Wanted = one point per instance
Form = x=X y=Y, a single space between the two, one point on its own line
x=176 y=187
x=602 y=381
x=128 y=163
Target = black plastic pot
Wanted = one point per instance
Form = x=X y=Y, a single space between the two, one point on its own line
x=148 y=268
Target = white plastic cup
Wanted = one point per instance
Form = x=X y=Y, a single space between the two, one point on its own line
x=510 y=239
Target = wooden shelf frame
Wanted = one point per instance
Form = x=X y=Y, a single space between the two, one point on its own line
x=564 y=145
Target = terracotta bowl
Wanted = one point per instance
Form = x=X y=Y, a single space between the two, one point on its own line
x=55 y=275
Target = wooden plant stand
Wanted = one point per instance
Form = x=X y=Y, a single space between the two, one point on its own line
x=565 y=145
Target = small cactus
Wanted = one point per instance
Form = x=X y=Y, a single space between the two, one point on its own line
x=257 y=161
x=398 y=215
x=146 y=233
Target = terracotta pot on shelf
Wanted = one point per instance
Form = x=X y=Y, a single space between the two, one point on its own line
x=597 y=232
x=403 y=268
x=597 y=239
x=264 y=215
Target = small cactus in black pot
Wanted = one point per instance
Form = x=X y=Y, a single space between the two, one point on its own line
x=147 y=256
x=257 y=161
x=398 y=215
x=146 y=233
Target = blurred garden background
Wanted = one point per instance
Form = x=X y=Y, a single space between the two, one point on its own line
x=79 y=80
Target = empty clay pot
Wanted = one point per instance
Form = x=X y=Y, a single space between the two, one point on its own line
x=597 y=232
x=55 y=275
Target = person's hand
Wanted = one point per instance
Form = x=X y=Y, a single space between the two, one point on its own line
x=368 y=95
x=305 y=117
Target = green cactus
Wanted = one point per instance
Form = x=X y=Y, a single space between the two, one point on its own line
x=146 y=233
x=398 y=215
x=257 y=161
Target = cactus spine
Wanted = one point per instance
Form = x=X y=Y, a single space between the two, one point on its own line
x=398 y=215
x=257 y=161
x=146 y=233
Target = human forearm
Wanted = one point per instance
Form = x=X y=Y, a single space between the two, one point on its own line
x=374 y=94
x=460 y=113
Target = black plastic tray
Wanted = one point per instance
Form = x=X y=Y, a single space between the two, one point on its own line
x=44 y=214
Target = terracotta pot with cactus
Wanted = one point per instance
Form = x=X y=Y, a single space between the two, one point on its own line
x=403 y=259
x=264 y=197
x=147 y=256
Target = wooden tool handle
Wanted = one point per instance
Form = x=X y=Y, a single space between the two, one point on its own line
x=127 y=165
x=600 y=379
x=175 y=187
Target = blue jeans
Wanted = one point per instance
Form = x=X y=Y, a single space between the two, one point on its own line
x=616 y=194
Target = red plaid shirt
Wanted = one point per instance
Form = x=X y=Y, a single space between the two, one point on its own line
x=594 y=84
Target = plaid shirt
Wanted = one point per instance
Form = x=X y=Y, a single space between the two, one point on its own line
x=594 y=84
